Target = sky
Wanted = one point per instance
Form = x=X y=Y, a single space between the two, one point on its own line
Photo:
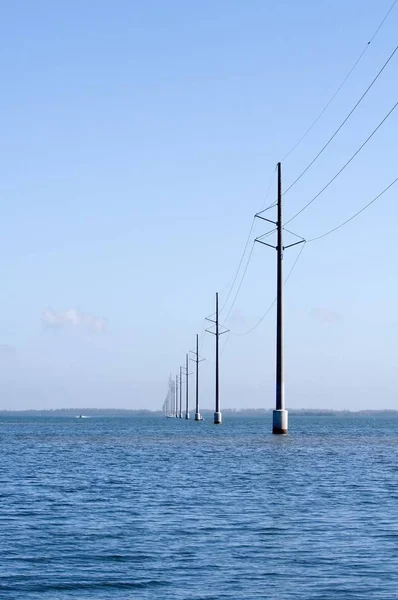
x=138 y=140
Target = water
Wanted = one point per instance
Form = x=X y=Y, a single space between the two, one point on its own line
x=153 y=508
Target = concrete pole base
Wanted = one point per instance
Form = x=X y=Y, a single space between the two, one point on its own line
x=279 y=421
x=187 y=415
x=198 y=417
x=217 y=418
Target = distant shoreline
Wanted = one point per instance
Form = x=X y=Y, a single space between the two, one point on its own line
x=120 y=412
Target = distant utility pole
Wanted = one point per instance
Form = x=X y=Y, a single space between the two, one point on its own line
x=176 y=399
x=186 y=388
x=197 y=360
x=217 y=333
x=280 y=415
x=180 y=413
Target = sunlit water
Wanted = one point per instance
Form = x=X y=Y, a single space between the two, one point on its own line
x=154 y=508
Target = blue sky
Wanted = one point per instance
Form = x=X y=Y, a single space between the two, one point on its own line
x=138 y=140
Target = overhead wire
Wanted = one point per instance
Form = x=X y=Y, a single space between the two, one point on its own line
x=241 y=282
x=345 y=165
x=342 y=83
x=343 y=122
x=318 y=237
x=274 y=301
x=244 y=274
x=247 y=243
x=228 y=333
x=305 y=170
x=202 y=336
x=239 y=265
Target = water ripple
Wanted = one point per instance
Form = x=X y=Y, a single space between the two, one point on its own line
x=154 y=508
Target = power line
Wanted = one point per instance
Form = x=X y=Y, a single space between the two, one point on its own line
x=344 y=122
x=244 y=274
x=355 y=215
x=247 y=243
x=225 y=343
x=202 y=335
x=274 y=301
x=345 y=165
x=241 y=261
x=239 y=265
x=271 y=181
x=383 y=21
x=240 y=284
x=342 y=83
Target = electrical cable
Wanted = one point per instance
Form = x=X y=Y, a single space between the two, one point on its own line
x=318 y=237
x=243 y=275
x=247 y=243
x=240 y=284
x=342 y=83
x=343 y=123
x=345 y=165
x=274 y=301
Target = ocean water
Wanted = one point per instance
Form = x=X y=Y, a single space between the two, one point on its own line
x=154 y=508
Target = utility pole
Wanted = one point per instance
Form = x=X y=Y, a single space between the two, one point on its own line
x=176 y=399
x=171 y=396
x=217 y=333
x=197 y=361
x=280 y=415
x=280 y=418
x=217 y=413
x=186 y=389
x=180 y=413
x=197 y=413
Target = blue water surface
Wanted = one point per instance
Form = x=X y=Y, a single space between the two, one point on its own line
x=143 y=507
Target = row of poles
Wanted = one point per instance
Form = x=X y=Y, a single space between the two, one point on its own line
x=280 y=414
x=173 y=405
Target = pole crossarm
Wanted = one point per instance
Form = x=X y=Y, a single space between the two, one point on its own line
x=295 y=244
x=215 y=333
x=199 y=359
x=260 y=241
x=257 y=216
x=265 y=243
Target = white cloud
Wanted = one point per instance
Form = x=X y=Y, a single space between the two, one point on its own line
x=71 y=317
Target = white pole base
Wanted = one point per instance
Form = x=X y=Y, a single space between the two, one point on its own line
x=217 y=418
x=198 y=417
x=187 y=415
x=279 y=421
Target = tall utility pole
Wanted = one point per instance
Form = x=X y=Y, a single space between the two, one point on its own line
x=180 y=413
x=197 y=360
x=186 y=389
x=217 y=333
x=197 y=413
x=176 y=399
x=217 y=413
x=280 y=416
x=171 y=396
